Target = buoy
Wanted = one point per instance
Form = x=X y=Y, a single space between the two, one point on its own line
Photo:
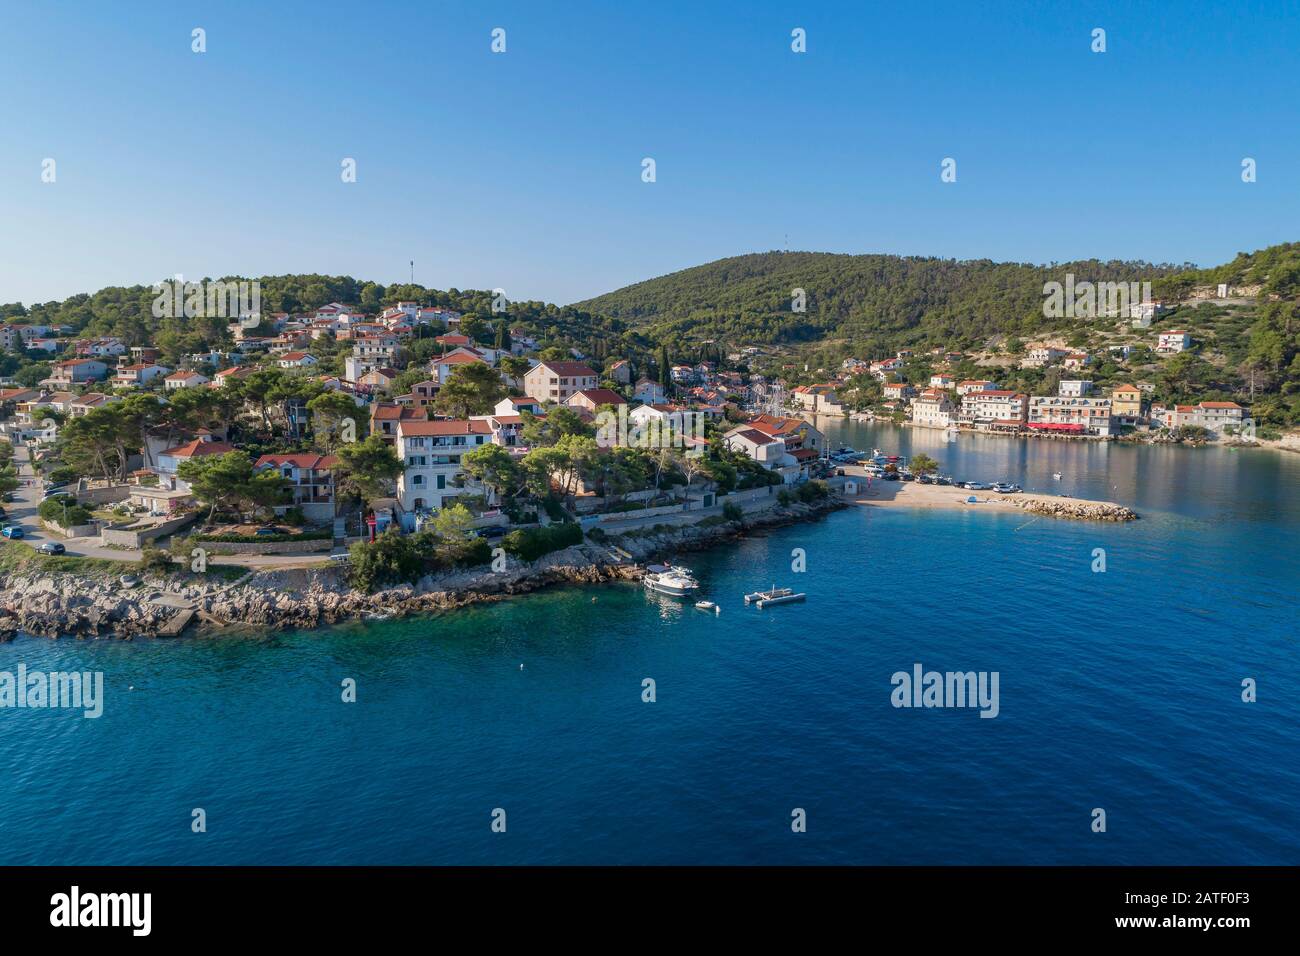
x=521 y=666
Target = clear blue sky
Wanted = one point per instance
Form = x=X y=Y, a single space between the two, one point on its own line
x=523 y=170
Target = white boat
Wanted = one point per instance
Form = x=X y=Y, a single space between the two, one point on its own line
x=708 y=606
x=778 y=596
x=1056 y=475
x=666 y=579
x=774 y=595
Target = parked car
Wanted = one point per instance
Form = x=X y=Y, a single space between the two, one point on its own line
x=924 y=479
x=269 y=530
x=61 y=493
x=3 y=513
x=890 y=476
x=492 y=531
x=12 y=531
x=340 y=557
x=942 y=480
x=51 y=547
x=1003 y=488
x=8 y=497
x=976 y=486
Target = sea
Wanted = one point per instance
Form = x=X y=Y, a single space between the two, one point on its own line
x=1147 y=712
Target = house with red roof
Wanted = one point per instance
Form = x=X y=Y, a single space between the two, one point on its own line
x=311 y=482
x=296 y=360
x=592 y=398
x=432 y=452
x=556 y=382
x=170 y=460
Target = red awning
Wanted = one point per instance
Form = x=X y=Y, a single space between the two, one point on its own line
x=1056 y=427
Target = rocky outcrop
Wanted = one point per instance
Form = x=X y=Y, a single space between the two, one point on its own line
x=1078 y=510
x=83 y=606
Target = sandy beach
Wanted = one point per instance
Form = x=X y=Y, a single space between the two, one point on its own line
x=912 y=494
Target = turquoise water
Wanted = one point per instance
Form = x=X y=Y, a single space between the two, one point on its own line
x=1119 y=690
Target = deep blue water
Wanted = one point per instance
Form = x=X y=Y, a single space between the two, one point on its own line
x=1119 y=690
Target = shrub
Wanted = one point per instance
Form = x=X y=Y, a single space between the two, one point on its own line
x=733 y=512
x=391 y=559
x=813 y=491
x=783 y=497
x=294 y=517
x=529 y=544
x=52 y=509
x=157 y=560
x=62 y=475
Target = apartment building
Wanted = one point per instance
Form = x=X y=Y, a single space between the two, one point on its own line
x=1080 y=416
x=933 y=409
x=996 y=406
x=431 y=453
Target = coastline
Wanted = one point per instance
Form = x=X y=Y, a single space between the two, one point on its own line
x=46 y=604
x=56 y=604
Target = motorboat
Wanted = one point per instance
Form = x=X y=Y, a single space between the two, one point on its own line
x=708 y=606
x=666 y=579
x=1056 y=475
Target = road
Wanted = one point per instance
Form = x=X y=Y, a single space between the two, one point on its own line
x=28 y=496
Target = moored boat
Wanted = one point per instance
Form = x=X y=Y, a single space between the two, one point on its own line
x=666 y=579
x=774 y=595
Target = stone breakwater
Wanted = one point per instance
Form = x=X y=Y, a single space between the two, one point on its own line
x=1079 y=510
x=62 y=605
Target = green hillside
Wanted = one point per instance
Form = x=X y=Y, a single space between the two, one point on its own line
x=868 y=306
x=872 y=299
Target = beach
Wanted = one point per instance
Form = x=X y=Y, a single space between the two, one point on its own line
x=912 y=494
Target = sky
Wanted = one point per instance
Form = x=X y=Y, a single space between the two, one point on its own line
x=522 y=170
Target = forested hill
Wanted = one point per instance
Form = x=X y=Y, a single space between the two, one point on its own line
x=863 y=298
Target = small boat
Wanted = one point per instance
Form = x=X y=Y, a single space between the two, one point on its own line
x=708 y=606
x=1056 y=475
x=773 y=596
x=666 y=579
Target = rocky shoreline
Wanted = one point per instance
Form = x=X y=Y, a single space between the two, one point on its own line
x=65 y=605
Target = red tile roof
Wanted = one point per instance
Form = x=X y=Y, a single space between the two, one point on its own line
x=198 y=447
x=304 y=460
x=445 y=426
x=601 y=396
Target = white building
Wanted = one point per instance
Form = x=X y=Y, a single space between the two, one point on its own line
x=184 y=379
x=994 y=407
x=767 y=450
x=431 y=453
x=1175 y=341
x=1074 y=388
x=933 y=409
